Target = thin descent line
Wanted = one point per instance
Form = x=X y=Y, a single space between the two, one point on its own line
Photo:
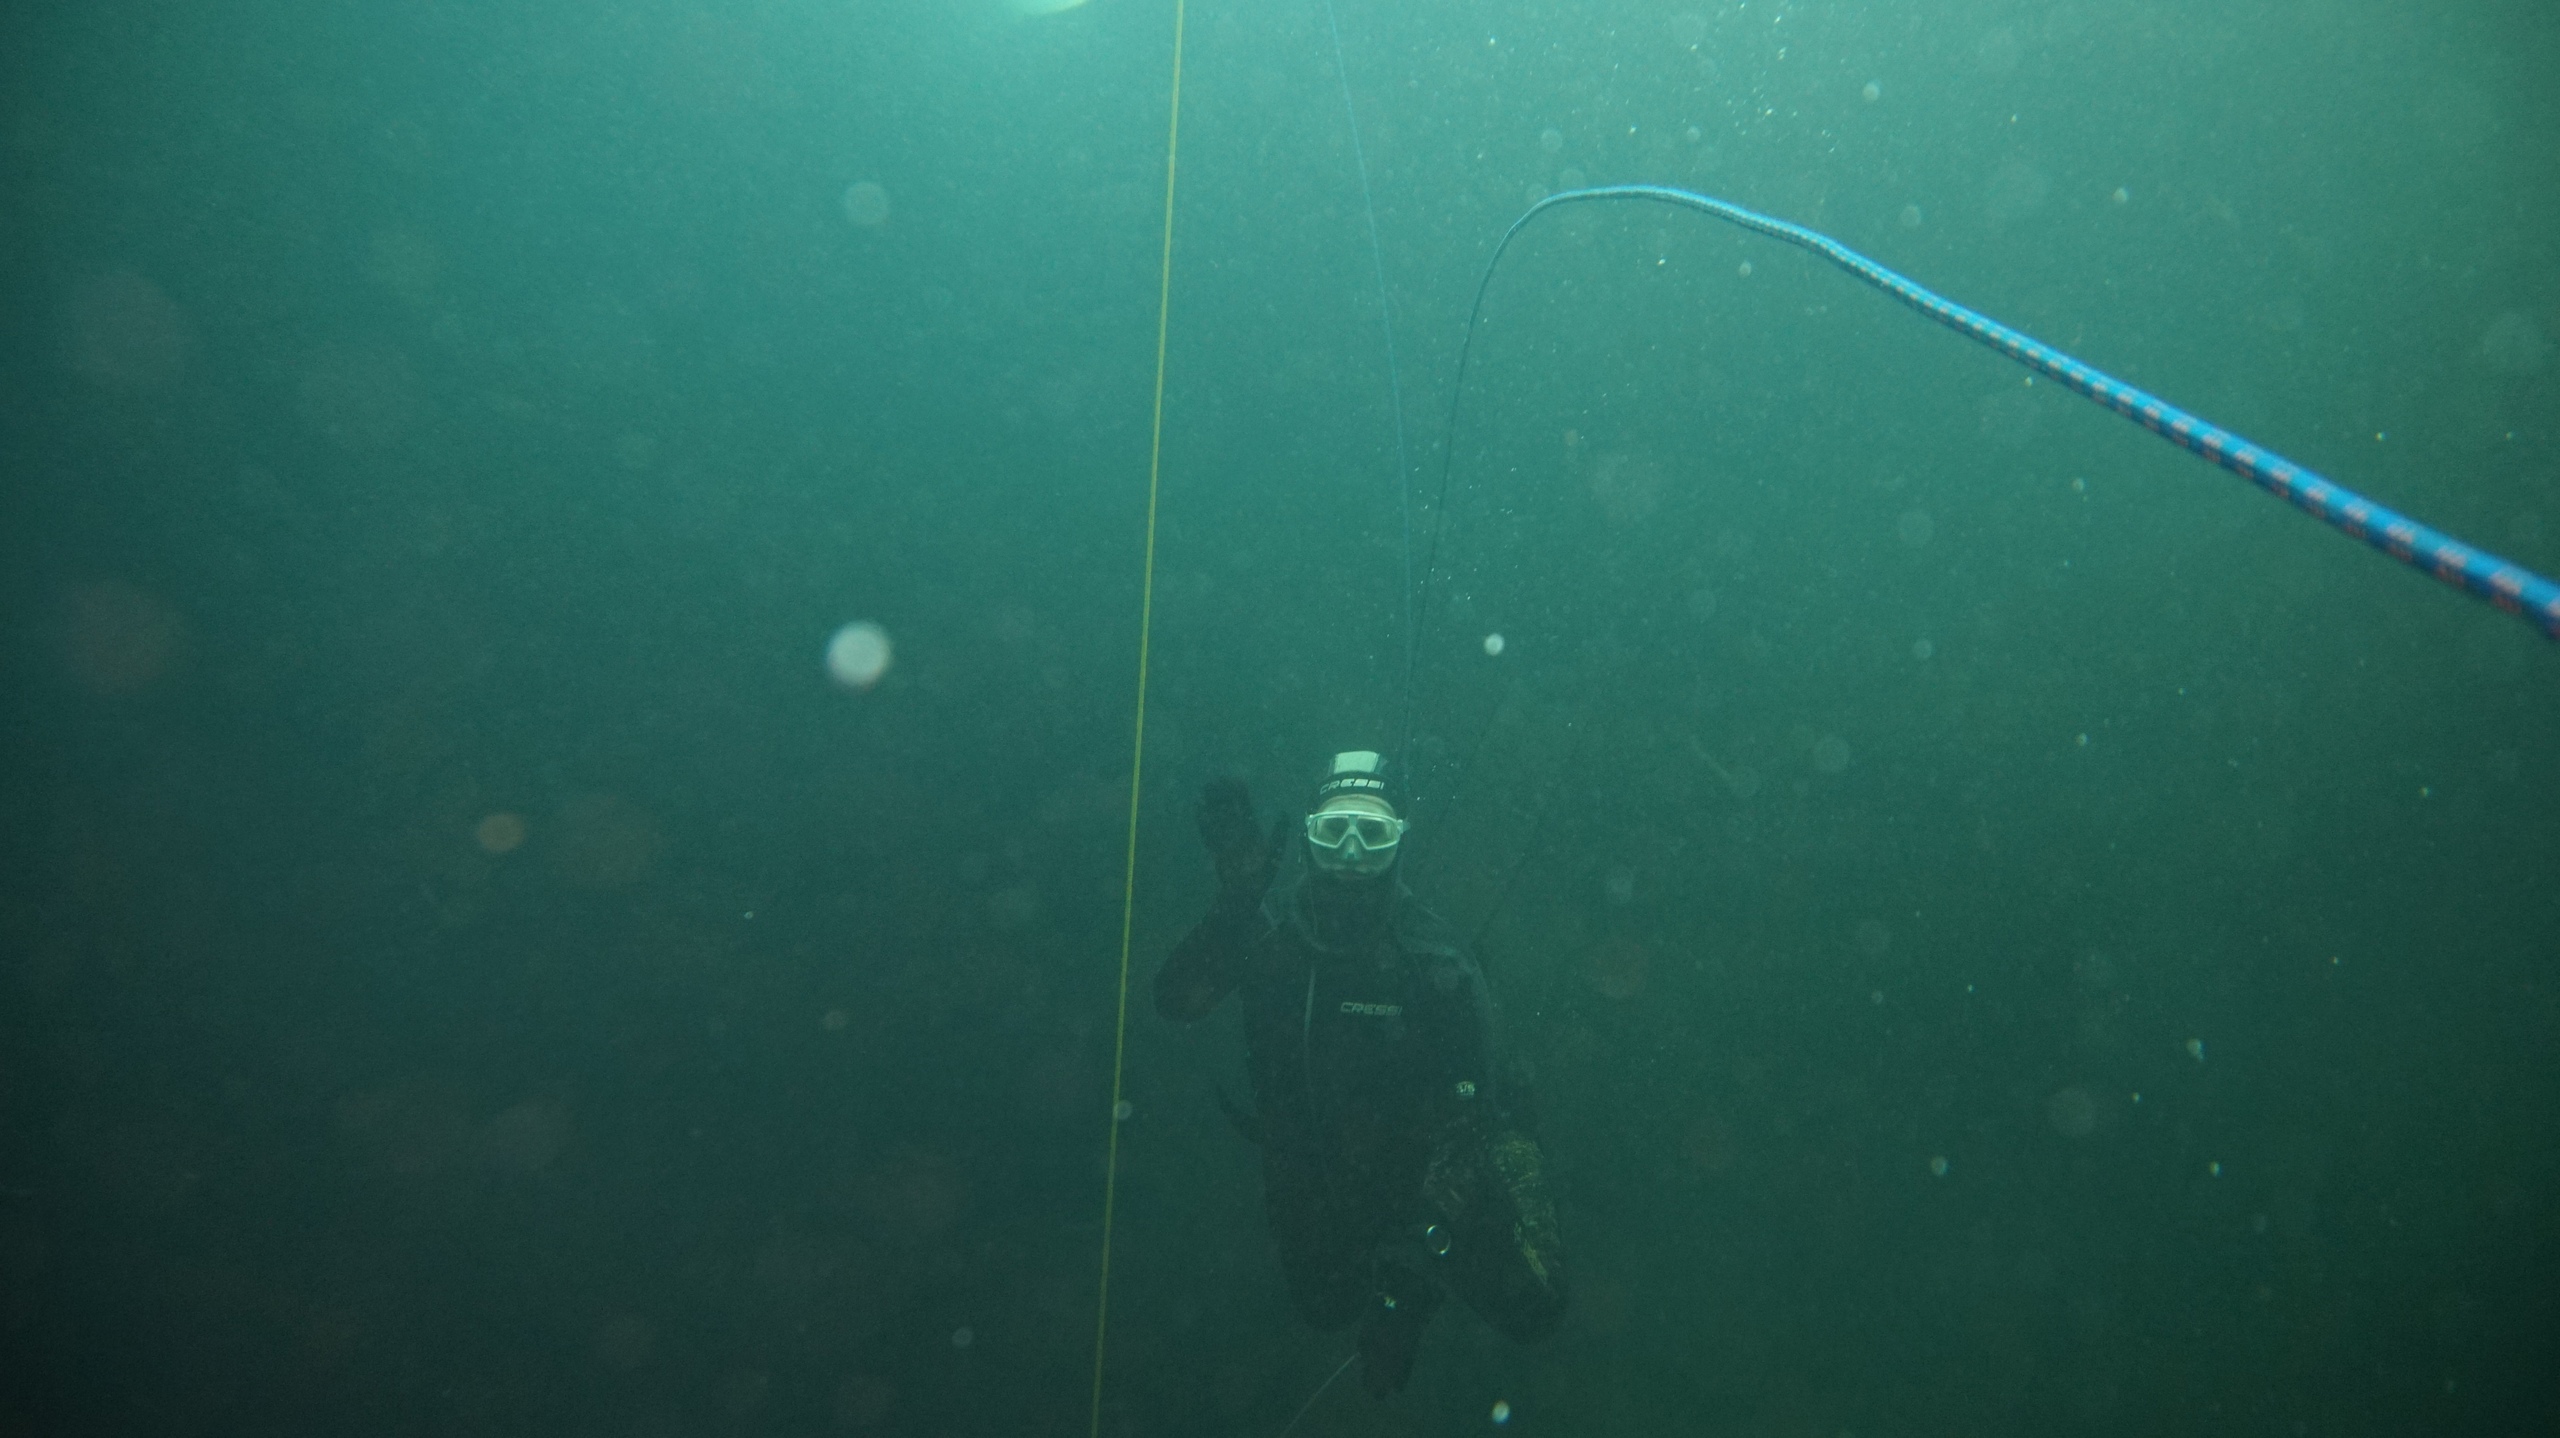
x=1138 y=735
x=1319 y=1393
x=1395 y=382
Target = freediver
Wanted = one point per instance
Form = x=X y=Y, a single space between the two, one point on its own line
x=1397 y=1161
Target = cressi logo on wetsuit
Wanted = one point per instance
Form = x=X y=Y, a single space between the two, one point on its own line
x=1379 y=1011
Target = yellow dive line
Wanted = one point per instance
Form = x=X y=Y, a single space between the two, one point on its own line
x=1138 y=737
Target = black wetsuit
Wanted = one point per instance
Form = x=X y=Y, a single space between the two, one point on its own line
x=1393 y=1159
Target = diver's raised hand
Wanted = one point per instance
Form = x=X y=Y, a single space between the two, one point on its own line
x=1244 y=855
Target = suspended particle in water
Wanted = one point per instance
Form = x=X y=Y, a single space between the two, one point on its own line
x=1938 y=1166
x=834 y=1020
x=1998 y=52
x=1571 y=178
x=1745 y=271
x=1120 y=1111
x=624 y=1341
x=1493 y=644
x=2213 y=1170
x=858 y=654
x=118 y=639
x=1873 y=92
x=1915 y=528
x=1695 y=134
x=963 y=1336
x=2195 y=1050
x=1873 y=937
x=1702 y=604
x=124 y=332
x=1831 y=754
x=866 y=204
x=1911 y=217
x=2072 y=1111
x=1501 y=1412
x=2514 y=344
x=500 y=833
x=1551 y=140
x=2122 y=196
x=1922 y=649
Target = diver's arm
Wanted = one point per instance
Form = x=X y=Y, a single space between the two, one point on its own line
x=1209 y=962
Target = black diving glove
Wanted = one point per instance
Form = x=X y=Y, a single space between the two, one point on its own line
x=1246 y=858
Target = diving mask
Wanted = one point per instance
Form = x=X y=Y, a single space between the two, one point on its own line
x=1354 y=834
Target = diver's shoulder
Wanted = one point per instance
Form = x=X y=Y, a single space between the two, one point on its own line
x=1420 y=929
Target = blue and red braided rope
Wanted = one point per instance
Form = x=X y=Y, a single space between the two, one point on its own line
x=2509 y=586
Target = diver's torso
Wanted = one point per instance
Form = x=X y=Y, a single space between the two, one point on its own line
x=1353 y=1049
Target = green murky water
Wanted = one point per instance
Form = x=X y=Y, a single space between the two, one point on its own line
x=2016 y=931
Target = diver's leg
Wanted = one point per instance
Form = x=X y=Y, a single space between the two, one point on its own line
x=1400 y=1303
x=1325 y=1258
